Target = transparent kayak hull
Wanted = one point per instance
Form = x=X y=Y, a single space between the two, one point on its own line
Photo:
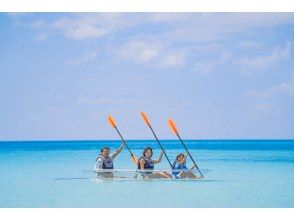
x=144 y=174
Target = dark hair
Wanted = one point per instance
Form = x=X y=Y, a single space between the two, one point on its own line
x=147 y=148
x=177 y=157
x=103 y=148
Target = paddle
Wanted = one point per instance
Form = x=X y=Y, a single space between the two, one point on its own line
x=146 y=120
x=174 y=129
x=112 y=124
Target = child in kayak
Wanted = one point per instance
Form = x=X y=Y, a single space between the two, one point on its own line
x=146 y=165
x=104 y=162
x=180 y=170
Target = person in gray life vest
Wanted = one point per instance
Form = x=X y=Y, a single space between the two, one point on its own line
x=104 y=161
x=146 y=165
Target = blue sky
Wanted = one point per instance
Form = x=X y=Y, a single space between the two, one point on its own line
x=218 y=75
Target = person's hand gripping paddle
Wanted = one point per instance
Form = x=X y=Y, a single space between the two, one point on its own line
x=147 y=122
x=112 y=124
x=174 y=129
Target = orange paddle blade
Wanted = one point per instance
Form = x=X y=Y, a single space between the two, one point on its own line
x=172 y=126
x=145 y=118
x=111 y=121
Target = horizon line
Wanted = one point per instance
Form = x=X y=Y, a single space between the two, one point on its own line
x=188 y=139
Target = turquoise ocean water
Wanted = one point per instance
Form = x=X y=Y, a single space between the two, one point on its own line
x=54 y=174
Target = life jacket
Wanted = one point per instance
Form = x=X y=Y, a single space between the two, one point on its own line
x=177 y=168
x=148 y=165
x=107 y=162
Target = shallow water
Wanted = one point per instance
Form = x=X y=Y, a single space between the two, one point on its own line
x=241 y=174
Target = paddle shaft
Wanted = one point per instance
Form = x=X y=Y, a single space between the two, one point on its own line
x=124 y=141
x=189 y=154
x=160 y=146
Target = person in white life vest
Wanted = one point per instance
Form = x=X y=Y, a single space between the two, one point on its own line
x=104 y=161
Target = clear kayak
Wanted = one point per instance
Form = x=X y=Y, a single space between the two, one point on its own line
x=145 y=174
x=133 y=175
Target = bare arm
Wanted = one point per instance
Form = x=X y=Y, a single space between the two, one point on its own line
x=118 y=150
x=159 y=159
x=142 y=162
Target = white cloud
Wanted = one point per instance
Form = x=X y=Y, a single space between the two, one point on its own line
x=140 y=51
x=154 y=54
x=260 y=63
x=211 y=27
x=285 y=88
x=80 y=28
x=94 y=25
x=247 y=64
x=173 y=38
x=265 y=102
x=195 y=27
x=82 y=32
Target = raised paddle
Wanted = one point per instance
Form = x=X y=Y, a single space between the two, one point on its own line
x=146 y=120
x=112 y=124
x=174 y=129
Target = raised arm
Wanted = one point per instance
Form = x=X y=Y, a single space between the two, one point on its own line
x=184 y=159
x=118 y=150
x=159 y=159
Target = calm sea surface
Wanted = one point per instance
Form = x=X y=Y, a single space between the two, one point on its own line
x=57 y=174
